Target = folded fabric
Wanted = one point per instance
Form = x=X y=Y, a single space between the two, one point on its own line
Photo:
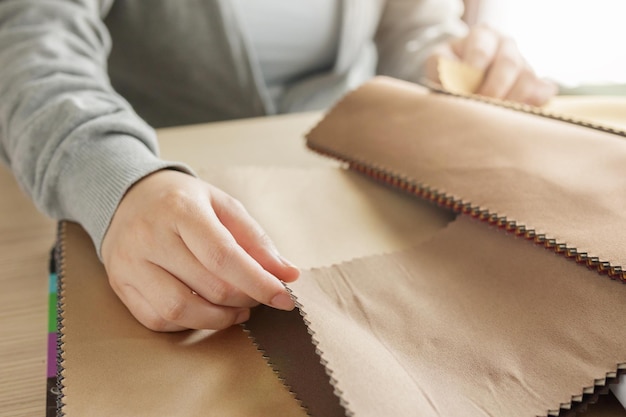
x=557 y=182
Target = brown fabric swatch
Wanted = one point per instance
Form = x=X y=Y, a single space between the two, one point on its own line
x=305 y=199
x=113 y=366
x=284 y=339
x=557 y=178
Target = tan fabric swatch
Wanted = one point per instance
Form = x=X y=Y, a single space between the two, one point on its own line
x=474 y=322
x=458 y=77
x=304 y=198
x=608 y=110
x=323 y=216
x=562 y=180
x=113 y=366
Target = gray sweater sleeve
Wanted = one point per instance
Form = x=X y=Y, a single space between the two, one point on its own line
x=73 y=144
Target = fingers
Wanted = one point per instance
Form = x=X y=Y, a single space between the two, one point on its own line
x=177 y=264
x=478 y=48
x=510 y=78
x=252 y=238
x=162 y=303
x=531 y=90
x=219 y=253
x=505 y=68
x=175 y=258
x=507 y=75
x=143 y=311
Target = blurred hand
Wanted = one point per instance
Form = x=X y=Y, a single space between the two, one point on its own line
x=507 y=75
x=181 y=254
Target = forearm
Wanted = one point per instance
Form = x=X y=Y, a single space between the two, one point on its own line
x=74 y=145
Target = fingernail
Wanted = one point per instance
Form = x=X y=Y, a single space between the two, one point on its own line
x=244 y=315
x=286 y=262
x=282 y=301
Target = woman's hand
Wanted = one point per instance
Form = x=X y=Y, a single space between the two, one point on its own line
x=181 y=254
x=507 y=75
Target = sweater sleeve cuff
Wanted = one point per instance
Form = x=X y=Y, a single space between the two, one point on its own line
x=97 y=176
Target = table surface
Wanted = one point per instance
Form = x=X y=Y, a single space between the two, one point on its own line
x=26 y=236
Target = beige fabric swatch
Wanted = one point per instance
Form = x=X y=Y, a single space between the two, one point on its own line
x=326 y=215
x=113 y=366
x=474 y=322
x=458 y=77
x=608 y=110
x=332 y=300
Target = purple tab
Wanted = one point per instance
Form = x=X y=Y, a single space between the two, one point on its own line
x=52 y=355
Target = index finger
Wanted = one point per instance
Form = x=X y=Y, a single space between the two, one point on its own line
x=218 y=251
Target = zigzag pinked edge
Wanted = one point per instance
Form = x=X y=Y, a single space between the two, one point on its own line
x=527 y=108
x=405 y=184
x=589 y=395
x=59 y=254
x=329 y=372
x=334 y=383
x=273 y=367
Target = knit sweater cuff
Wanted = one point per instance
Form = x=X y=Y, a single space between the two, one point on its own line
x=97 y=176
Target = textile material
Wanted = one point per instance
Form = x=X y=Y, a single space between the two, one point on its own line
x=546 y=175
x=553 y=182
x=318 y=217
x=420 y=315
x=113 y=366
x=474 y=322
x=184 y=372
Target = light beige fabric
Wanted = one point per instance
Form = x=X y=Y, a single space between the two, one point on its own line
x=474 y=322
x=458 y=77
x=322 y=216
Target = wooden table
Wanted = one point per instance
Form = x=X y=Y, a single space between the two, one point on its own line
x=27 y=236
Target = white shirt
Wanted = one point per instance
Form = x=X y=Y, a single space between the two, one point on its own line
x=290 y=39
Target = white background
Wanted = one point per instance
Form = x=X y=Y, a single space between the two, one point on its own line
x=570 y=41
